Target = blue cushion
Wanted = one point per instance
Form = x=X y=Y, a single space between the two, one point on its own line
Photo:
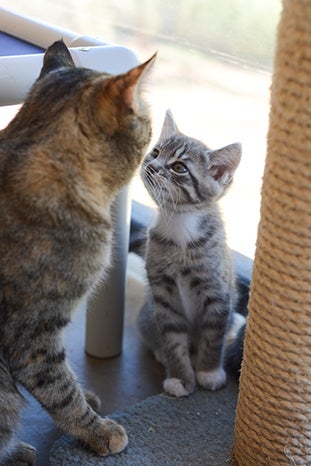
x=10 y=45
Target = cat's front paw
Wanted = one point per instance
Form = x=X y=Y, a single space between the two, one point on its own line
x=176 y=387
x=23 y=455
x=107 y=438
x=212 y=380
x=92 y=400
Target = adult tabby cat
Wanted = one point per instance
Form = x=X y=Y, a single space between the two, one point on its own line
x=192 y=289
x=78 y=138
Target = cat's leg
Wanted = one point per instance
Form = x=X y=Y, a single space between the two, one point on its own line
x=210 y=373
x=22 y=455
x=92 y=400
x=46 y=375
x=12 y=451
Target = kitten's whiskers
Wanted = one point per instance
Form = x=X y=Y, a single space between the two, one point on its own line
x=157 y=187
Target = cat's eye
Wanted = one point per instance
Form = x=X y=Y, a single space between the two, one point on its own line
x=179 y=167
x=154 y=153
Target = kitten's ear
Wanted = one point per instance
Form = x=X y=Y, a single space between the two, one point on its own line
x=118 y=96
x=56 y=56
x=224 y=162
x=169 y=126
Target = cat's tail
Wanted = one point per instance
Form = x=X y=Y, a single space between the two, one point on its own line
x=235 y=344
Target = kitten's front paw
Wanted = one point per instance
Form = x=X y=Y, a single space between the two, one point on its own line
x=212 y=380
x=176 y=387
x=107 y=438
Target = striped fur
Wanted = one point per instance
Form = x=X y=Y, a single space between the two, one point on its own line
x=76 y=141
x=192 y=290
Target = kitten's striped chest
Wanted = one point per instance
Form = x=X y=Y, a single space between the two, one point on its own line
x=170 y=253
x=184 y=251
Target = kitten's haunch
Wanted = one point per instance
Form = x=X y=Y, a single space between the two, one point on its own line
x=78 y=138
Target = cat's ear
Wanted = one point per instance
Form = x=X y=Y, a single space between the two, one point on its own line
x=169 y=126
x=224 y=162
x=119 y=96
x=56 y=56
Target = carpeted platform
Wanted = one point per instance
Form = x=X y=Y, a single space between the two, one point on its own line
x=163 y=431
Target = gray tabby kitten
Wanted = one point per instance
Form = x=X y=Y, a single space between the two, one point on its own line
x=192 y=290
x=78 y=138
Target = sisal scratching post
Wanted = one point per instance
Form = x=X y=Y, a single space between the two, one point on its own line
x=273 y=423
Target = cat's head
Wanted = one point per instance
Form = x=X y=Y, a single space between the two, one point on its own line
x=86 y=116
x=183 y=174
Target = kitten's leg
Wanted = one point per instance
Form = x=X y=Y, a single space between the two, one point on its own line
x=210 y=373
x=149 y=331
x=180 y=375
x=46 y=375
x=180 y=380
x=12 y=451
x=172 y=344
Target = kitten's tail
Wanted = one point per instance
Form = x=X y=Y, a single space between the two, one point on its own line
x=235 y=344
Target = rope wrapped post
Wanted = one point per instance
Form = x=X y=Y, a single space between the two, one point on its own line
x=273 y=421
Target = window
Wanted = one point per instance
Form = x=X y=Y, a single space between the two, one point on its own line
x=213 y=71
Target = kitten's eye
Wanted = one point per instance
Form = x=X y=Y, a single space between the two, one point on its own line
x=154 y=153
x=179 y=167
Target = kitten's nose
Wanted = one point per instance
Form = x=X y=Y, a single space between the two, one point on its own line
x=154 y=167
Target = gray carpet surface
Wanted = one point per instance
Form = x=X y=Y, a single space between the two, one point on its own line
x=163 y=431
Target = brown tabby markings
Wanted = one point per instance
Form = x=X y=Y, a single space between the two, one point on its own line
x=76 y=141
x=192 y=291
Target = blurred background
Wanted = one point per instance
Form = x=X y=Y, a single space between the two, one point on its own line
x=213 y=70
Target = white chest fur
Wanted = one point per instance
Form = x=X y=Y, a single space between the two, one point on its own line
x=189 y=302
x=180 y=228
